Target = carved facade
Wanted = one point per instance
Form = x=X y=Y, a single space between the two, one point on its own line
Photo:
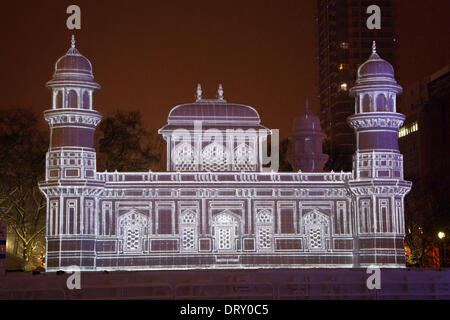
x=216 y=206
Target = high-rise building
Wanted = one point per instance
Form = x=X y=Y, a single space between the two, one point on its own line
x=344 y=41
x=424 y=140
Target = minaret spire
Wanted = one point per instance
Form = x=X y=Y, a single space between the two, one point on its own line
x=220 y=92
x=199 y=92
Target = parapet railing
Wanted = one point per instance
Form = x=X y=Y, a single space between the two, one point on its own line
x=218 y=177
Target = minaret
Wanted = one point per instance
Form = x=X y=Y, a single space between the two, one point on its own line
x=307 y=137
x=377 y=185
x=71 y=182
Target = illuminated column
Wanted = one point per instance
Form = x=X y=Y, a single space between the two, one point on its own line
x=377 y=183
x=70 y=185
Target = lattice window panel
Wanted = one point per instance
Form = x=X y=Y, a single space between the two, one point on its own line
x=315 y=226
x=264 y=238
x=188 y=238
x=184 y=158
x=214 y=158
x=188 y=226
x=132 y=242
x=315 y=237
x=225 y=229
x=225 y=238
x=264 y=216
x=244 y=158
x=132 y=228
x=188 y=217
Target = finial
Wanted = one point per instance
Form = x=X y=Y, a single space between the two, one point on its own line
x=220 y=92
x=73 y=41
x=374 y=47
x=199 y=92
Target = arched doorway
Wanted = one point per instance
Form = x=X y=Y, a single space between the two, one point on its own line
x=133 y=229
x=316 y=230
x=226 y=230
x=188 y=227
x=264 y=230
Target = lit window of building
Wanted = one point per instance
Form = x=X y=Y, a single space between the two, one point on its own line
x=344 y=45
x=408 y=129
x=343 y=87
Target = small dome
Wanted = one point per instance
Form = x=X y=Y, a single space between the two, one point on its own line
x=73 y=69
x=306 y=121
x=375 y=67
x=73 y=64
x=375 y=74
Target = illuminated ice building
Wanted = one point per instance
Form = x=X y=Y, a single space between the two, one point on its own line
x=217 y=206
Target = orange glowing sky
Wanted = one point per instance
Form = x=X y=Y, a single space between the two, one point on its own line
x=150 y=55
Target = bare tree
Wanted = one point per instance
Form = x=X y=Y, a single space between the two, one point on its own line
x=126 y=145
x=22 y=154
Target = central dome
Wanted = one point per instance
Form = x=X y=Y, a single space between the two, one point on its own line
x=214 y=112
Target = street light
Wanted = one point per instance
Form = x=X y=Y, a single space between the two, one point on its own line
x=441 y=236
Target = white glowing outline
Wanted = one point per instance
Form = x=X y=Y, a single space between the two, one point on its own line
x=335 y=208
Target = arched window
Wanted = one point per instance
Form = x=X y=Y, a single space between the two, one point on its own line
x=244 y=158
x=133 y=227
x=86 y=100
x=366 y=103
x=214 y=158
x=188 y=229
x=381 y=102
x=58 y=99
x=72 y=99
x=183 y=158
x=316 y=230
x=226 y=229
x=391 y=107
x=264 y=229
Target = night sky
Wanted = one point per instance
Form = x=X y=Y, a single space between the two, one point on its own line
x=150 y=55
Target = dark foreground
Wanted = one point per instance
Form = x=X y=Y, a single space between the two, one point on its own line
x=231 y=284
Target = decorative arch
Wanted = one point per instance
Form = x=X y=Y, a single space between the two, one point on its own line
x=264 y=229
x=381 y=102
x=244 y=158
x=133 y=227
x=214 y=157
x=184 y=157
x=72 y=99
x=391 y=106
x=188 y=228
x=86 y=100
x=316 y=228
x=366 y=103
x=226 y=229
x=58 y=102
